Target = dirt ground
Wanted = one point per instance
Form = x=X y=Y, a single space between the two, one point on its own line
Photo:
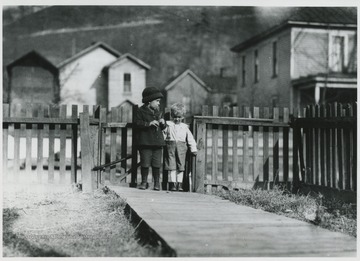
x=60 y=220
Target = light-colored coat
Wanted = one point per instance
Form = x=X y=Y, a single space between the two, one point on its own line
x=180 y=132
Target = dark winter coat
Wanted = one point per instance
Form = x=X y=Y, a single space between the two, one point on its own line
x=148 y=135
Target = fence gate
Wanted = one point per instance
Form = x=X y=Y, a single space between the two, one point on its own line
x=242 y=148
x=111 y=159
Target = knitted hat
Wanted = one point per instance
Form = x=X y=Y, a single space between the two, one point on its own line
x=151 y=93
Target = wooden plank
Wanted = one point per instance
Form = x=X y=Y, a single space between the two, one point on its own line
x=317 y=148
x=354 y=150
x=341 y=149
x=266 y=156
x=227 y=229
x=6 y=113
x=89 y=152
x=124 y=134
x=239 y=121
x=17 y=129
x=322 y=138
x=246 y=161
x=74 y=145
x=235 y=138
x=225 y=140
x=348 y=151
x=276 y=169
x=308 y=149
x=40 y=146
x=134 y=152
x=102 y=144
x=295 y=152
x=215 y=145
x=28 y=161
x=51 y=160
x=342 y=163
x=62 y=160
x=201 y=141
x=113 y=145
x=51 y=120
x=286 y=150
x=335 y=164
x=329 y=150
x=256 y=161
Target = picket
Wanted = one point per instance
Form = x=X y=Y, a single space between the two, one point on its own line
x=330 y=148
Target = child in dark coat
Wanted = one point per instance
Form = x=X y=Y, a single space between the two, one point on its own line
x=150 y=138
x=178 y=139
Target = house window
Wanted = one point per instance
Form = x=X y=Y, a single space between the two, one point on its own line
x=337 y=53
x=243 y=71
x=127 y=82
x=256 y=66
x=274 y=60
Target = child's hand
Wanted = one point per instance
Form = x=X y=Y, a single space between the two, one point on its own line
x=162 y=121
x=154 y=123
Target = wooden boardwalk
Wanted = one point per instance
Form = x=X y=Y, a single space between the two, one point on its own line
x=197 y=225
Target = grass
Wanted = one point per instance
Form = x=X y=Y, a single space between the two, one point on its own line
x=48 y=222
x=331 y=214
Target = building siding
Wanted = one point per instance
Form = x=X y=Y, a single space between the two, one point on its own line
x=116 y=83
x=79 y=79
x=189 y=92
x=32 y=84
x=268 y=88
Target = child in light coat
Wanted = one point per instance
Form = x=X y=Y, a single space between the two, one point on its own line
x=178 y=139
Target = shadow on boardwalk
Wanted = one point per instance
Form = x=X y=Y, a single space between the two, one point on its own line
x=197 y=225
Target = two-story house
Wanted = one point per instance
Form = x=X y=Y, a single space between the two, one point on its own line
x=309 y=58
x=98 y=74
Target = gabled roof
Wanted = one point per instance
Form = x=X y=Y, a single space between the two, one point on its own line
x=174 y=80
x=132 y=58
x=88 y=50
x=315 y=17
x=31 y=58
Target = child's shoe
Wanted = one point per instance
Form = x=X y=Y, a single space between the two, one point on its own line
x=180 y=188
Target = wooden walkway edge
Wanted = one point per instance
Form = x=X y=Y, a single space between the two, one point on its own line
x=198 y=225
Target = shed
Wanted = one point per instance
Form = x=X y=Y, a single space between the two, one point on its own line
x=33 y=79
x=188 y=89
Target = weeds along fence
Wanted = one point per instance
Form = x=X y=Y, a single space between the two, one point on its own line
x=327 y=142
x=242 y=148
x=44 y=143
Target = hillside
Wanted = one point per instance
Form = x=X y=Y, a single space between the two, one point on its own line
x=168 y=38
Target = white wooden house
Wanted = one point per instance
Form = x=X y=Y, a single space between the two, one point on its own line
x=81 y=76
x=126 y=79
x=97 y=75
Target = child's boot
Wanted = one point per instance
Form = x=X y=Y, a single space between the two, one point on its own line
x=180 y=188
x=173 y=187
x=144 y=176
x=156 y=175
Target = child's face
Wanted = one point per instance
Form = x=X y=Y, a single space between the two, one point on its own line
x=177 y=119
x=155 y=104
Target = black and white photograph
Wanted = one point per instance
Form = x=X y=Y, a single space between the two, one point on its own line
x=179 y=130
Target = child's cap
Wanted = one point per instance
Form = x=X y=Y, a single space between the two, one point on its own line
x=151 y=93
x=178 y=110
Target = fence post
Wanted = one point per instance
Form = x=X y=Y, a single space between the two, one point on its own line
x=199 y=179
x=134 y=157
x=89 y=152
